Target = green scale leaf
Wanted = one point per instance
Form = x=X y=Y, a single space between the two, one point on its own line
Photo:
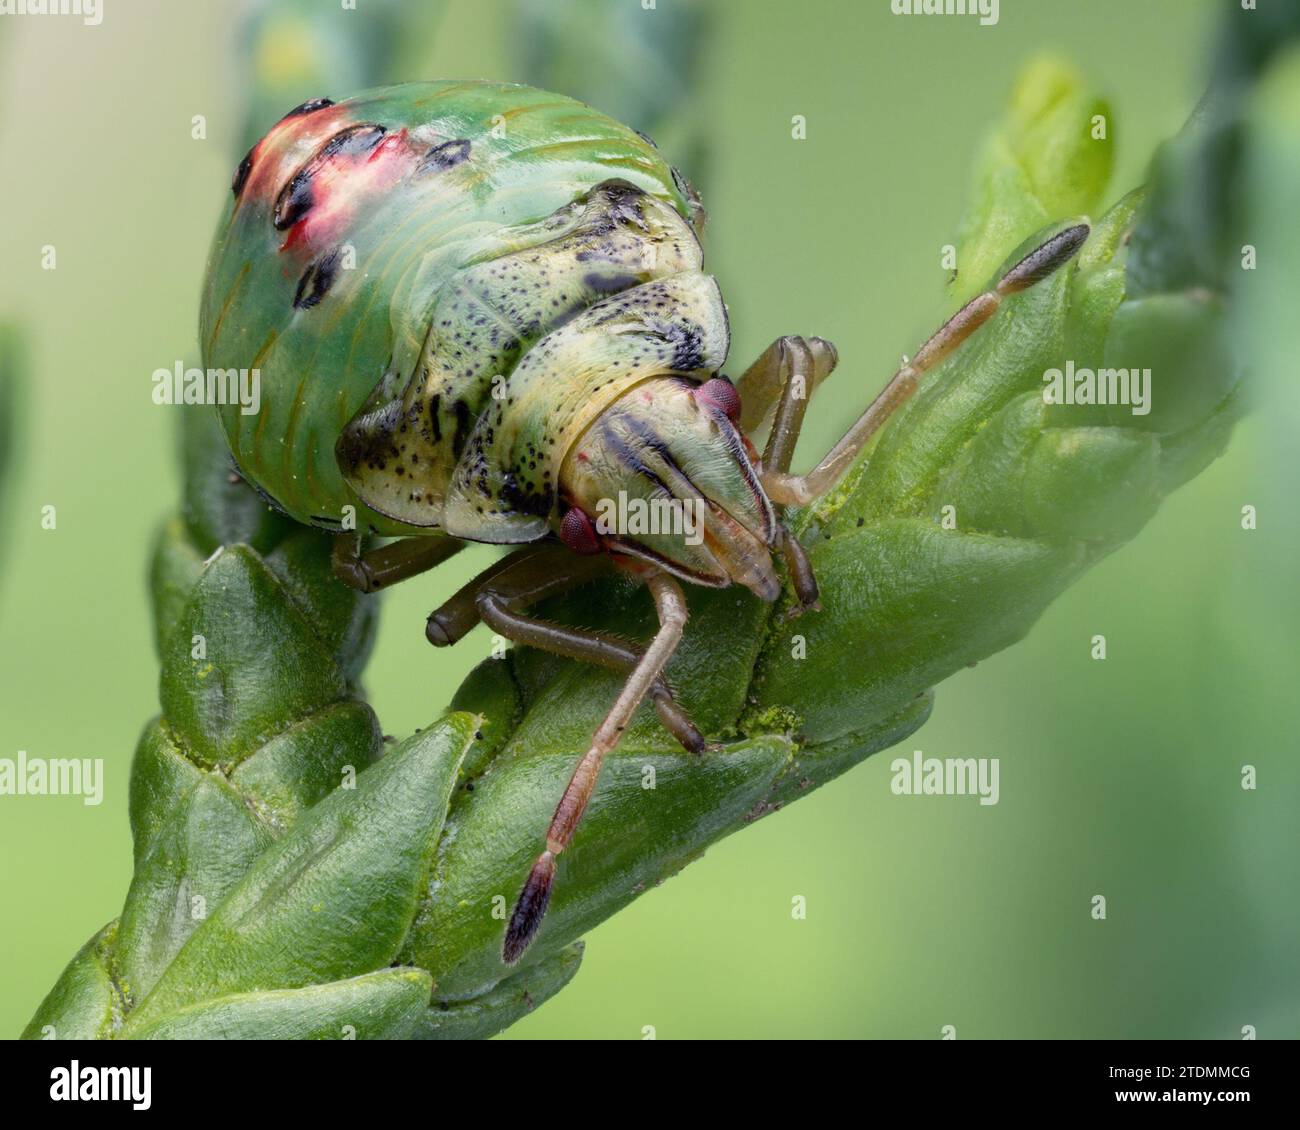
x=334 y=897
x=377 y=1006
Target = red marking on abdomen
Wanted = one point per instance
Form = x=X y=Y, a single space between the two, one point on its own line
x=341 y=183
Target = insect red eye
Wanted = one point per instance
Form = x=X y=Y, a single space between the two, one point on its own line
x=578 y=533
x=721 y=394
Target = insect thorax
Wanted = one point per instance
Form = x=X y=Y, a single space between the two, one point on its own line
x=524 y=348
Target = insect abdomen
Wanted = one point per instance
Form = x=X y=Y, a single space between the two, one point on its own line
x=346 y=222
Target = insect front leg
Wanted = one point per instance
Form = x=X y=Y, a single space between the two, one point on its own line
x=670 y=604
x=374 y=569
x=784 y=377
x=497 y=596
x=782 y=487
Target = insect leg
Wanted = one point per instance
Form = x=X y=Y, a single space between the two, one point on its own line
x=787 y=373
x=497 y=595
x=783 y=487
x=765 y=383
x=456 y=616
x=670 y=603
x=378 y=568
x=801 y=573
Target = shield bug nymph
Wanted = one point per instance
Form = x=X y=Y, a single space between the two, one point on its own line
x=480 y=313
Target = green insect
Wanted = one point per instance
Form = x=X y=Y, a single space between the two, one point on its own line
x=479 y=313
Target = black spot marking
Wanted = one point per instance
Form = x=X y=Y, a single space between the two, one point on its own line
x=434 y=413
x=624 y=207
x=687 y=343
x=619 y=191
x=463 y=420
x=295 y=198
x=241 y=174
x=609 y=284
x=650 y=141
x=316 y=281
x=309 y=107
x=293 y=202
x=445 y=156
x=368 y=443
x=527 y=501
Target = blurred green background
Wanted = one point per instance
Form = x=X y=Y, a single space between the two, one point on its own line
x=1119 y=778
